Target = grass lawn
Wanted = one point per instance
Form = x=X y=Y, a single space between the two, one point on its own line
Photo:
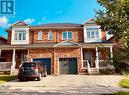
x=6 y=78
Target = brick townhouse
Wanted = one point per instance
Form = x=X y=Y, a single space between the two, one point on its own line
x=65 y=48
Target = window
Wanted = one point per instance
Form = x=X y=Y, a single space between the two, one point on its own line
x=39 y=35
x=50 y=36
x=88 y=55
x=20 y=35
x=92 y=33
x=67 y=35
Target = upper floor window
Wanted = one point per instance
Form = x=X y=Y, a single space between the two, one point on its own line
x=50 y=35
x=92 y=33
x=40 y=35
x=67 y=35
x=20 y=35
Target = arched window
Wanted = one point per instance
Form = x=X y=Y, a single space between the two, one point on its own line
x=50 y=35
x=40 y=35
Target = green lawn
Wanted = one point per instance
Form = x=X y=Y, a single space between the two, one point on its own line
x=6 y=78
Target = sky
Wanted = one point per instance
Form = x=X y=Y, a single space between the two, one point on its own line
x=36 y=12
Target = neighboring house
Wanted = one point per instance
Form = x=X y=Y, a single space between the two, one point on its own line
x=65 y=48
x=3 y=40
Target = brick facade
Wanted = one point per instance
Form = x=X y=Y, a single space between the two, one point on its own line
x=55 y=55
x=54 y=52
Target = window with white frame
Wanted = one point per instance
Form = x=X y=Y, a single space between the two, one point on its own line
x=92 y=33
x=40 y=37
x=50 y=35
x=20 y=35
x=67 y=35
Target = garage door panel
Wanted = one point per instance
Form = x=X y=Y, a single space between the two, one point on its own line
x=46 y=62
x=68 y=65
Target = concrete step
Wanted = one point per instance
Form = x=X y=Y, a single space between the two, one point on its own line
x=93 y=71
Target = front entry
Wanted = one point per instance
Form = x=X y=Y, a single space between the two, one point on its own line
x=68 y=65
x=46 y=62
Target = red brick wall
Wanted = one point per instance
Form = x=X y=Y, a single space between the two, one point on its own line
x=77 y=35
x=103 y=35
x=9 y=37
x=59 y=53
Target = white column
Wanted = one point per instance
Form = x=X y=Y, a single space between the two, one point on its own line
x=97 y=58
x=13 y=62
x=81 y=50
x=111 y=53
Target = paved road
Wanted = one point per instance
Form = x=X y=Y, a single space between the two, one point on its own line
x=65 y=85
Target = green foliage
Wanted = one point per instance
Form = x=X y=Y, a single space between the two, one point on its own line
x=115 y=19
x=124 y=83
x=120 y=61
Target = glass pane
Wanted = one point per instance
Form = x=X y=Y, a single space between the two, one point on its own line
x=88 y=34
x=16 y=36
x=24 y=36
x=20 y=36
x=92 y=34
x=97 y=34
x=64 y=35
x=39 y=35
x=69 y=35
x=49 y=35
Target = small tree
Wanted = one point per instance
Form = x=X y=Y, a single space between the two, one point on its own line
x=115 y=19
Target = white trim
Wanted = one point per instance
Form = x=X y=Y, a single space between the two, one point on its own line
x=13 y=41
x=67 y=35
x=86 y=39
x=66 y=41
x=81 y=50
x=97 y=58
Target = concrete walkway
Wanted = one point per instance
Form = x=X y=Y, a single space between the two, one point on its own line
x=66 y=85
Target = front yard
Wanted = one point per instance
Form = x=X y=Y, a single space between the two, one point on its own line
x=7 y=78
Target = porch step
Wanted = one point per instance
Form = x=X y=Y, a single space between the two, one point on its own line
x=93 y=71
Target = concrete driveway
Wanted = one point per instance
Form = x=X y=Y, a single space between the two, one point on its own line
x=65 y=85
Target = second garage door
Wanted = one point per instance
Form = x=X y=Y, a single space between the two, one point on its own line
x=68 y=65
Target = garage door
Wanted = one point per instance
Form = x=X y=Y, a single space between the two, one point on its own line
x=45 y=61
x=68 y=65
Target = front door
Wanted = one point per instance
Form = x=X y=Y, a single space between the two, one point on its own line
x=89 y=57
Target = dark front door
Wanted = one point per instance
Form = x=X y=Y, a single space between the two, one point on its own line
x=68 y=65
x=46 y=62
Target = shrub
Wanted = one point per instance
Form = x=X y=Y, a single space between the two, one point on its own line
x=107 y=71
x=124 y=83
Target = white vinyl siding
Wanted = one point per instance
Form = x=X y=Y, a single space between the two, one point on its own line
x=20 y=36
x=92 y=34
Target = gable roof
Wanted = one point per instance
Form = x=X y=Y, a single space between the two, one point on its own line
x=67 y=43
x=20 y=24
x=90 y=22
